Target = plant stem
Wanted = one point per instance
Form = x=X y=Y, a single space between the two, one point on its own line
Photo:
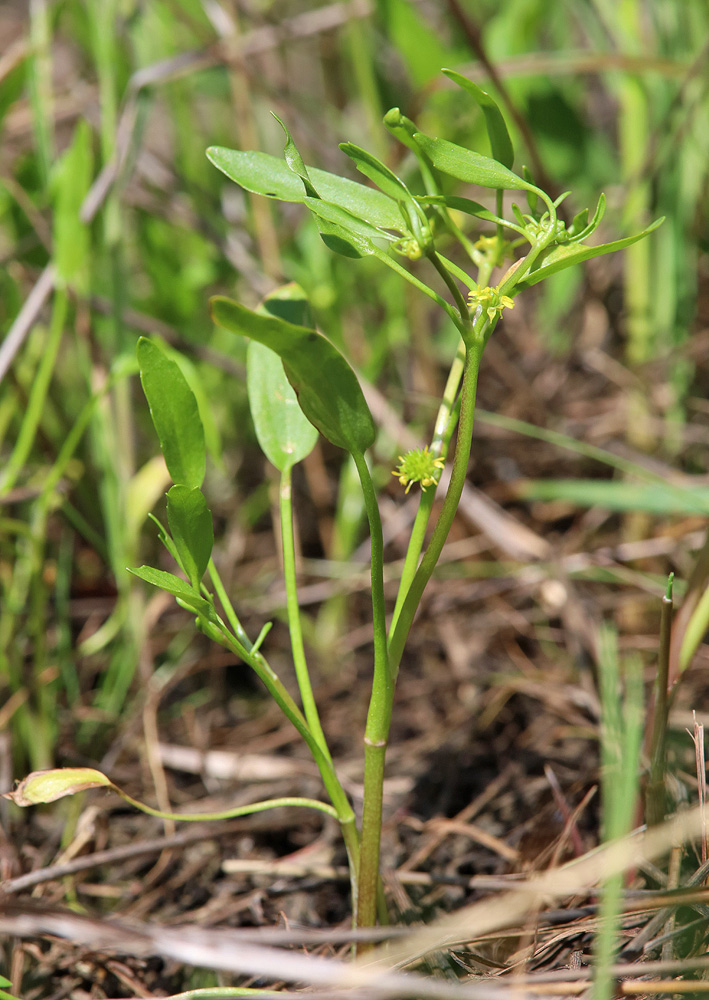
x=442 y=431
x=454 y=290
x=285 y=702
x=378 y=718
x=296 y=633
x=229 y=611
x=473 y=355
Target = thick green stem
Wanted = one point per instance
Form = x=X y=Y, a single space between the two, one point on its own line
x=296 y=633
x=450 y=505
x=378 y=718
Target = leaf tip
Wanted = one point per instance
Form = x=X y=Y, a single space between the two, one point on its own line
x=41 y=787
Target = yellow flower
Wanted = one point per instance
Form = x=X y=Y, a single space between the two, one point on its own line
x=490 y=300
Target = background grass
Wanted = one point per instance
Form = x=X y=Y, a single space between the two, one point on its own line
x=113 y=224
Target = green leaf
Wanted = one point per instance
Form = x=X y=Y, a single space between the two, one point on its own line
x=212 y=436
x=392 y=185
x=379 y=173
x=500 y=142
x=268 y=175
x=174 y=585
x=289 y=302
x=327 y=389
x=462 y=205
x=469 y=166
x=71 y=237
x=564 y=255
x=342 y=236
x=286 y=436
x=578 y=231
x=344 y=233
x=190 y=523
x=175 y=414
x=294 y=160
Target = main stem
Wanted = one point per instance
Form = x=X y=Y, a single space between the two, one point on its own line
x=378 y=718
x=400 y=632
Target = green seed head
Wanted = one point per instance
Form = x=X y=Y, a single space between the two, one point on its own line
x=418 y=466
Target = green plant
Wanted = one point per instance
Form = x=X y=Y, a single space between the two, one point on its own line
x=299 y=381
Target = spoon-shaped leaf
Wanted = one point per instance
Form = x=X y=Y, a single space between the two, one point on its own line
x=500 y=142
x=327 y=388
x=190 y=523
x=284 y=433
x=175 y=414
x=564 y=255
x=469 y=166
x=268 y=175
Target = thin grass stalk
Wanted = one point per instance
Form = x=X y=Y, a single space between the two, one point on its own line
x=655 y=792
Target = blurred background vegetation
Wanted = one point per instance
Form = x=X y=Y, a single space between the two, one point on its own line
x=113 y=224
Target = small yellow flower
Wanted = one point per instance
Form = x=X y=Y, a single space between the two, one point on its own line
x=490 y=300
x=418 y=466
x=486 y=243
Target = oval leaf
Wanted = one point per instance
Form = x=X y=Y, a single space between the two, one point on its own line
x=327 y=389
x=175 y=414
x=284 y=433
x=268 y=175
x=469 y=166
x=190 y=523
x=286 y=436
x=500 y=142
x=47 y=786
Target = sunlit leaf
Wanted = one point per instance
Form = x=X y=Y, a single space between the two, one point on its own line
x=500 y=142
x=467 y=165
x=286 y=436
x=268 y=175
x=191 y=528
x=175 y=586
x=175 y=414
x=557 y=258
x=327 y=388
x=378 y=172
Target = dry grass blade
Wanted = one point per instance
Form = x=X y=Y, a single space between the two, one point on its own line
x=247 y=953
